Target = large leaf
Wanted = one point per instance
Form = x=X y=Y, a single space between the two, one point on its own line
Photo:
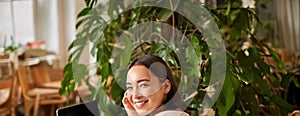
x=83 y=12
x=227 y=96
x=80 y=72
x=68 y=77
x=114 y=6
x=117 y=92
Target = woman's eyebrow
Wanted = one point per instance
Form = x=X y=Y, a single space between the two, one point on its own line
x=142 y=80
x=138 y=81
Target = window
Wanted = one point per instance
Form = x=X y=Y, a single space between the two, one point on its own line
x=16 y=19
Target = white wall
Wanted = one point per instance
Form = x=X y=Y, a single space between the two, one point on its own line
x=67 y=32
x=46 y=23
x=23 y=15
x=55 y=22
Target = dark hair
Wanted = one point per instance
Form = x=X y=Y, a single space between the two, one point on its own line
x=147 y=61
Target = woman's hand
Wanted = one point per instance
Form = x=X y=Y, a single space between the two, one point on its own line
x=128 y=105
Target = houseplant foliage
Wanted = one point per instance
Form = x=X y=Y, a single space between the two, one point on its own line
x=251 y=86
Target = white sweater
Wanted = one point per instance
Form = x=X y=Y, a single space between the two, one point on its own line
x=172 y=113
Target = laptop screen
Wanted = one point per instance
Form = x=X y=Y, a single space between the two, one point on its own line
x=83 y=109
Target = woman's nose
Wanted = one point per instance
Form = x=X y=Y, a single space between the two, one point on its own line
x=136 y=93
x=136 y=96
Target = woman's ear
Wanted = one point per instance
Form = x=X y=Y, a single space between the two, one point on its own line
x=167 y=86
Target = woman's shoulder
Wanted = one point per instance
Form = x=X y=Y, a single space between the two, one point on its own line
x=172 y=113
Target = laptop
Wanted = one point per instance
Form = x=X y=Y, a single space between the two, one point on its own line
x=82 y=109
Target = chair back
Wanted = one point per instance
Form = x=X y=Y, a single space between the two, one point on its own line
x=12 y=93
x=40 y=73
x=10 y=83
x=23 y=79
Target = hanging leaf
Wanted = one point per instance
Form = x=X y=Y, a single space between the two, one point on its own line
x=83 y=12
x=227 y=96
x=80 y=72
x=282 y=103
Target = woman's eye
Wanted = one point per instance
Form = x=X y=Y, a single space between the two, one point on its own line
x=144 y=85
x=128 y=88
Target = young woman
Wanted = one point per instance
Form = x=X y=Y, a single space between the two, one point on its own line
x=151 y=89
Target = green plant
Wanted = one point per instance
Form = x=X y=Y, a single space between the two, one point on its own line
x=12 y=47
x=250 y=87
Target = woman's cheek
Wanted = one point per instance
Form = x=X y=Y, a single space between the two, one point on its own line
x=129 y=96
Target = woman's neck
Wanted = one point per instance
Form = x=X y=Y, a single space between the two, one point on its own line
x=160 y=109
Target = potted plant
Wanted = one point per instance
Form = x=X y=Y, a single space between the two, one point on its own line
x=250 y=86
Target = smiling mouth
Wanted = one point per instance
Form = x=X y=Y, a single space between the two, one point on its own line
x=140 y=104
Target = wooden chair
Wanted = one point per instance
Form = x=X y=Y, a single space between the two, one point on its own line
x=37 y=96
x=9 y=104
x=41 y=76
x=39 y=73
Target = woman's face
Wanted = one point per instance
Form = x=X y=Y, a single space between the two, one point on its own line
x=144 y=91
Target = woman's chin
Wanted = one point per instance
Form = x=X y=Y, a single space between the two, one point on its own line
x=142 y=112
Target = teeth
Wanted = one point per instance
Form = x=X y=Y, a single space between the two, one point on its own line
x=140 y=103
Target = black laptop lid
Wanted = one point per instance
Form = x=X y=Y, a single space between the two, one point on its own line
x=83 y=109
